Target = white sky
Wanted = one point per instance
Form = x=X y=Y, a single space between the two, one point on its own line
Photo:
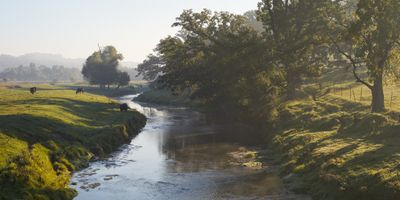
x=73 y=28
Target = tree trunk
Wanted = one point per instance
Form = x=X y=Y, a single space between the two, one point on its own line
x=378 y=97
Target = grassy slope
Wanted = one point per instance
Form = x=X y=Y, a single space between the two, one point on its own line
x=336 y=149
x=43 y=137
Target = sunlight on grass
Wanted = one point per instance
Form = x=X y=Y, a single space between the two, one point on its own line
x=46 y=135
x=357 y=151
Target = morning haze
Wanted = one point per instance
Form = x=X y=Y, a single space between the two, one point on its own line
x=74 y=28
x=200 y=100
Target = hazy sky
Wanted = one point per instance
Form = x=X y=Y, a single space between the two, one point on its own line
x=73 y=28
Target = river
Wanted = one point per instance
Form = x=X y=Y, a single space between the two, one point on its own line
x=179 y=155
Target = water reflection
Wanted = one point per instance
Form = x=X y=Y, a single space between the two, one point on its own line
x=180 y=154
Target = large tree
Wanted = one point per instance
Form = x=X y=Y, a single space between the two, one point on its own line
x=371 y=40
x=101 y=68
x=297 y=31
x=220 y=58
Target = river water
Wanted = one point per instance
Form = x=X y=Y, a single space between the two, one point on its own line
x=179 y=155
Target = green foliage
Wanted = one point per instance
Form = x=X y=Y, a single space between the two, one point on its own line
x=150 y=68
x=41 y=73
x=123 y=79
x=296 y=34
x=370 y=36
x=101 y=68
x=219 y=58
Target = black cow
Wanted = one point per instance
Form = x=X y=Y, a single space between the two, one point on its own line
x=123 y=107
x=33 y=90
x=80 y=90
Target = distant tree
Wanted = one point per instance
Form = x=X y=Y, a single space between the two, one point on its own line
x=101 y=67
x=132 y=71
x=150 y=68
x=123 y=79
x=252 y=21
x=41 y=73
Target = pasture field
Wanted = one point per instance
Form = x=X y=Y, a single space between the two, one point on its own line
x=334 y=148
x=135 y=86
x=46 y=136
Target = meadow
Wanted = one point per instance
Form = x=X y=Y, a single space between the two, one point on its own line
x=335 y=148
x=45 y=136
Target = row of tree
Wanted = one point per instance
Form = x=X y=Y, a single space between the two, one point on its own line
x=226 y=61
x=41 y=73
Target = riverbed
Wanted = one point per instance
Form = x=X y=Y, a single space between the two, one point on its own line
x=181 y=154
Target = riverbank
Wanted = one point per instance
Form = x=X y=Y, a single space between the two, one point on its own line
x=337 y=149
x=46 y=136
x=183 y=154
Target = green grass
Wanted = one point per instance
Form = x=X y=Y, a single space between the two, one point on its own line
x=336 y=149
x=45 y=136
x=361 y=94
x=133 y=88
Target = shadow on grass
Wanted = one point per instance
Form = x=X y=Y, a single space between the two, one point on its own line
x=344 y=173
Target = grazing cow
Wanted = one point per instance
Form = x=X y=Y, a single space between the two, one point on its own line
x=80 y=90
x=123 y=107
x=33 y=90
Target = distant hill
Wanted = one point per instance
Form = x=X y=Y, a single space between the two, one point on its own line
x=8 y=61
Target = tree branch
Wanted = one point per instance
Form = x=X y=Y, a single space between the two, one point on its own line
x=353 y=63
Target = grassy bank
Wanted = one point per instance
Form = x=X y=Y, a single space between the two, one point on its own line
x=46 y=136
x=336 y=149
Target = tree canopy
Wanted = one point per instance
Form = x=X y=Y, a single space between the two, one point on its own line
x=296 y=35
x=241 y=63
x=219 y=57
x=42 y=73
x=150 y=68
x=101 y=68
x=371 y=40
